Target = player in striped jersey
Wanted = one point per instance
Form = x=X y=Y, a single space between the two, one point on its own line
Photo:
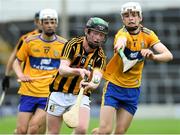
x=6 y=82
x=41 y=54
x=77 y=55
x=122 y=90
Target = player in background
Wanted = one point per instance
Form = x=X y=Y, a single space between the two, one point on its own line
x=41 y=55
x=77 y=54
x=122 y=90
x=6 y=79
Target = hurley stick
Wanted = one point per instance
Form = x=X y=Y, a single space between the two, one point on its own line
x=39 y=77
x=127 y=64
x=71 y=117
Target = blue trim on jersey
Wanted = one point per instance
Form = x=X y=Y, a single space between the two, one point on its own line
x=30 y=104
x=44 y=63
x=131 y=55
x=119 y=97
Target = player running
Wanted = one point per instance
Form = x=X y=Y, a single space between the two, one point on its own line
x=77 y=55
x=122 y=90
x=41 y=54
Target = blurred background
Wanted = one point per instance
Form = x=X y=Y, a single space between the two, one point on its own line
x=160 y=95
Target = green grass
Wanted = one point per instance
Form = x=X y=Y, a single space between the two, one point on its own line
x=138 y=126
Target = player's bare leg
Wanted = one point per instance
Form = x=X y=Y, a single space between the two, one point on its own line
x=23 y=119
x=83 y=121
x=43 y=127
x=123 y=121
x=54 y=124
x=106 y=119
x=37 y=122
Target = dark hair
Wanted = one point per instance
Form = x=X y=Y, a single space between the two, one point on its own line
x=36 y=16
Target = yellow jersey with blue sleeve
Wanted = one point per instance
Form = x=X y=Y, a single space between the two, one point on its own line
x=41 y=58
x=132 y=78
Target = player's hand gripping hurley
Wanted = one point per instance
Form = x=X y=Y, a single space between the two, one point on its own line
x=39 y=77
x=120 y=45
x=71 y=117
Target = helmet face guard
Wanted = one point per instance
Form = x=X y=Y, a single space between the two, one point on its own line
x=131 y=7
x=97 y=24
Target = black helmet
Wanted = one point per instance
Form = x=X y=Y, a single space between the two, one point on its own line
x=97 y=24
x=36 y=16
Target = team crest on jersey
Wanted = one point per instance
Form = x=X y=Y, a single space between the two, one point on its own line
x=46 y=49
x=56 y=53
x=52 y=108
x=128 y=42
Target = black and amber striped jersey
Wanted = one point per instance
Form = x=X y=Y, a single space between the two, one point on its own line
x=79 y=58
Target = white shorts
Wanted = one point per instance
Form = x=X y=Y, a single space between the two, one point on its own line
x=60 y=102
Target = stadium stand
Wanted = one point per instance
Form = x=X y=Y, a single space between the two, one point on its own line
x=160 y=81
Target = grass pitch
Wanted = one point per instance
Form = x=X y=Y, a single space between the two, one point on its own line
x=138 y=126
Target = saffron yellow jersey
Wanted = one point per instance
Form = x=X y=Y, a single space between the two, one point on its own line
x=132 y=78
x=75 y=53
x=41 y=58
x=23 y=37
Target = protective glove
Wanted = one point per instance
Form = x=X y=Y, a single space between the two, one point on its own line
x=5 y=82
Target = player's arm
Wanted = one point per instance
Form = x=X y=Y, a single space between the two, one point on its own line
x=19 y=72
x=10 y=62
x=21 y=56
x=94 y=82
x=163 y=54
x=13 y=56
x=120 y=43
x=66 y=70
x=67 y=56
x=97 y=73
x=6 y=79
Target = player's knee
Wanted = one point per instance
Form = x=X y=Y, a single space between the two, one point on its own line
x=42 y=129
x=51 y=129
x=120 y=130
x=81 y=130
x=33 y=129
x=20 y=130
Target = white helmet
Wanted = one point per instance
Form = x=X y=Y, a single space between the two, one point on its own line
x=48 y=14
x=131 y=6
